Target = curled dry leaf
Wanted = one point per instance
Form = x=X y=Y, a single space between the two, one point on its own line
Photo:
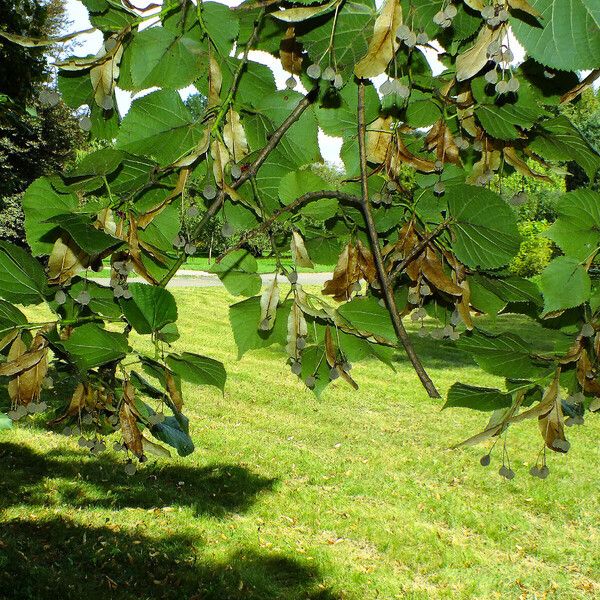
x=8 y=338
x=220 y=155
x=296 y=15
x=235 y=136
x=354 y=263
x=441 y=141
x=384 y=145
x=383 y=44
x=36 y=42
x=514 y=160
x=299 y=252
x=471 y=61
x=144 y=220
x=215 y=81
x=26 y=385
x=66 y=260
x=489 y=162
x=290 y=52
x=132 y=437
x=433 y=271
x=268 y=306
x=296 y=328
x=104 y=76
x=173 y=390
x=77 y=403
x=587 y=376
x=135 y=251
x=331 y=355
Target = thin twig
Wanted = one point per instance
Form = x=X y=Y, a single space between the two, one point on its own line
x=375 y=248
x=304 y=199
x=246 y=175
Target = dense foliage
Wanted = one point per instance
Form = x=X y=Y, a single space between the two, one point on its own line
x=441 y=250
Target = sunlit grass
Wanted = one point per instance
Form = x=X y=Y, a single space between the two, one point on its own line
x=353 y=496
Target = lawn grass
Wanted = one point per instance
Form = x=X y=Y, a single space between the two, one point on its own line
x=265 y=265
x=354 y=496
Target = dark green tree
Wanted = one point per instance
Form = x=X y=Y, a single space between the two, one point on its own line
x=38 y=133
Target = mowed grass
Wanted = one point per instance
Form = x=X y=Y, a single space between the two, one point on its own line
x=353 y=496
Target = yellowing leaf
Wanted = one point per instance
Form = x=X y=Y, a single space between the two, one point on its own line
x=299 y=253
x=525 y=7
x=296 y=15
x=471 y=61
x=235 y=136
x=268 y=306
x=378 y=140
x=103 y=77
x=220 y=158
x=215 y=81
x=32 y=42
x=290 y=52
x=383 y=44
x=173 y=390
x=66 y=259
x=296 y=328
x=26 y=385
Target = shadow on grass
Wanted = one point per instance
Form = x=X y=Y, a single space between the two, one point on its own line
x=58 y=558
x=75 y=479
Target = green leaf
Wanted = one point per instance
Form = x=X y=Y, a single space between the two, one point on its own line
x=368 y=317
x=102 y=298
x=484 y=227
x=150 y=308
x=238 y=272
x=223 y=25
x=565 y=284
x=505 y=355
x=477 y=398
x=160 y=57
x=297 y=183
x=75 y=88
x=90 y=346
x=22 y=278
x=244 y=318
x=159 y=125
x=560 y=141
x=10 y=316
x=41 y=202
x=565 y=36
x=101 y=162
x=421 y=110
x=323 y=250
x=84 y=234
x=171 y=432
x=5 y=422
x=577 y=229
x=353 y=31
x=197 y=369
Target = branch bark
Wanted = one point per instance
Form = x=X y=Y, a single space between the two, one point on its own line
x=246 y=175
x=386 y=285
x=304 y=199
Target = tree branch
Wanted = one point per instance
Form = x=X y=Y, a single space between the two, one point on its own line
x=304 y=199
x=393 y=277
x=246 y=175
x=374 y=239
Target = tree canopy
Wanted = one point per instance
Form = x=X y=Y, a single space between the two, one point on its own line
x=440 y=250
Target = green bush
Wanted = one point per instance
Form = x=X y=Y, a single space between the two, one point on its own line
x=535 y=252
